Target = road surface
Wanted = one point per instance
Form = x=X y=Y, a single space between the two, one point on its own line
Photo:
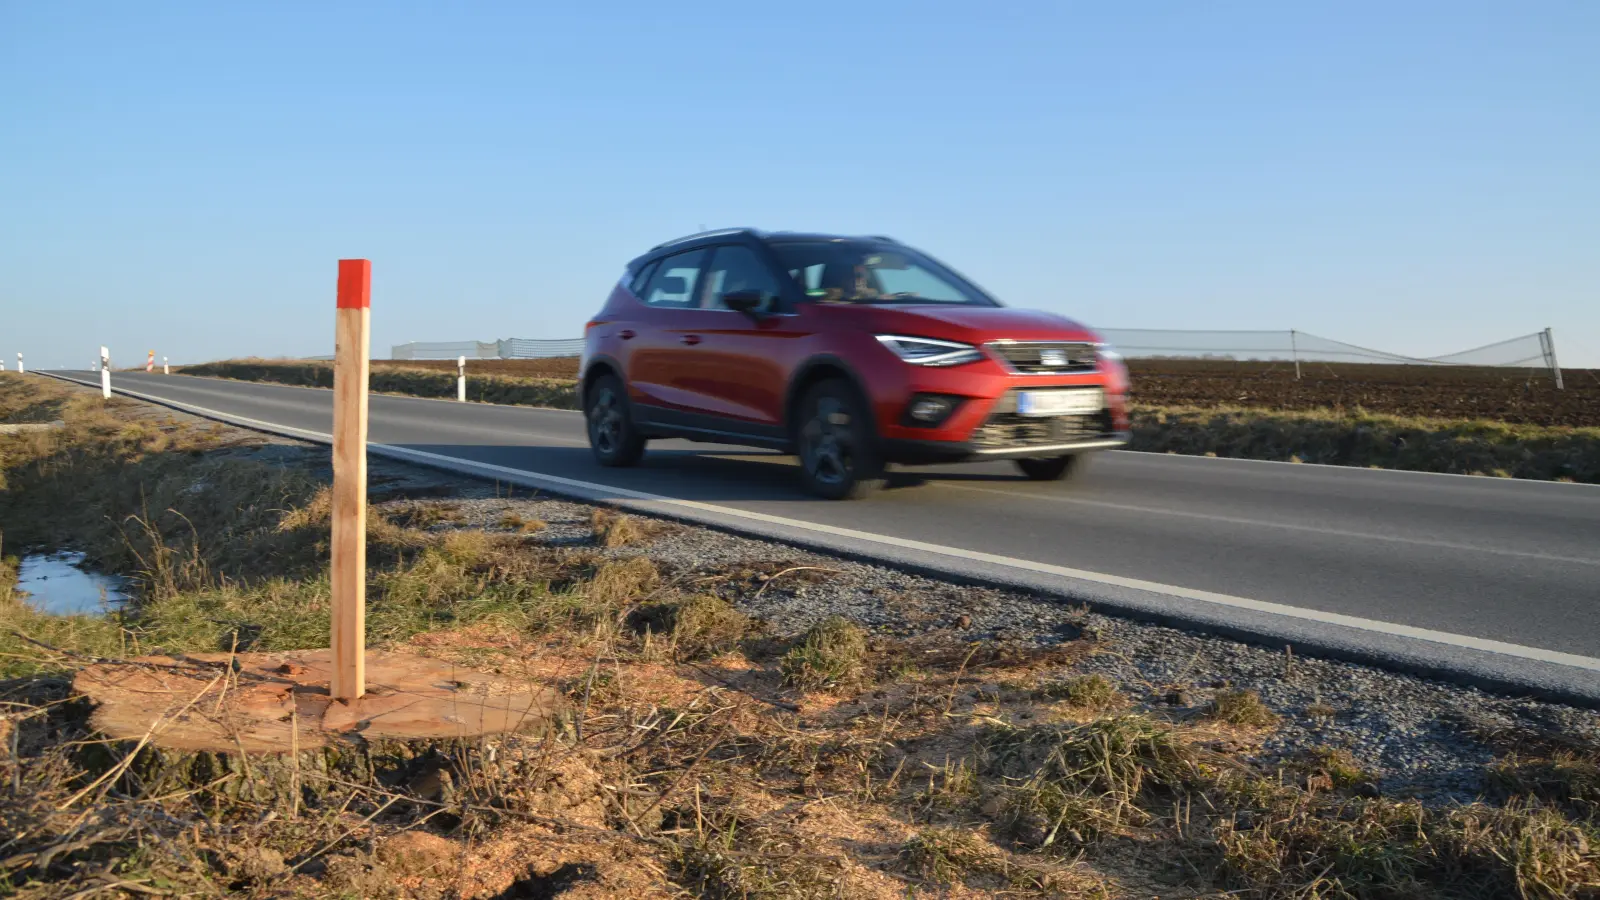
x=1325 y=556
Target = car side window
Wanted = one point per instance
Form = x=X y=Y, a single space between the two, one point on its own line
x=673 y=283
x=809 y=278
x=736 y=268
x=641 y=278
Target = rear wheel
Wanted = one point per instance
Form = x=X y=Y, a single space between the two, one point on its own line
x=612 y=435
x=839 y=455
x=1053 y=468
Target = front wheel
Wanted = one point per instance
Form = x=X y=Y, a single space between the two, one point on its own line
x=839 y=456
x=1053 y=468
x=612 y=435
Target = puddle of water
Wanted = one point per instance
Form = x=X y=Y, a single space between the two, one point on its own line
x=54 y=583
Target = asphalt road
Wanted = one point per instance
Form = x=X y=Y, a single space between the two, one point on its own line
x=1481 y=559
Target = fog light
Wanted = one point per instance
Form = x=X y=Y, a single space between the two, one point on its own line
x=931 y=409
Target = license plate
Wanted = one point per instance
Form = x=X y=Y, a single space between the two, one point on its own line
x=1080 y=402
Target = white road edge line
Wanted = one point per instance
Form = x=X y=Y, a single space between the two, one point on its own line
x=1224 y=600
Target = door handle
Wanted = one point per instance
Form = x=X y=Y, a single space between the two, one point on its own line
x=625 y=333
x=690 y=339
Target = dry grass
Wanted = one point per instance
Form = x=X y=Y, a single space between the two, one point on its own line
x=1355 y=438
x=1564 y=778
x=832 y=654
x=513 y=522
x=613 y=529
x=1319 y=769
x=951 y=856
x=1241 y=707
x=1095 y=693
x=1286 y=846
x=697 y=626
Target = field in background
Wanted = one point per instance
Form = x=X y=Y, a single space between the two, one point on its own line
x=554 y=367
x=1515 y=396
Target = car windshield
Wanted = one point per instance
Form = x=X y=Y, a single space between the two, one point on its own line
x=871 y=272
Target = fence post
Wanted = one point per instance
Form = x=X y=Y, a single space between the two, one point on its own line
x=1294 y=350
x=461 y=379
x=1550 y=351
x=348 y=569
x=105 y=373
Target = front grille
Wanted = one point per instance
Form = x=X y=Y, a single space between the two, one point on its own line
x=1046 y=357
x=1004 y=428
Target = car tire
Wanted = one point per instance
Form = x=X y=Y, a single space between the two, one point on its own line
x=838 y=448
x=1054 y=468
x=613 y=437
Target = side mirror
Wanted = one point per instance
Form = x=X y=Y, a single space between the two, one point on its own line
x=743 y=301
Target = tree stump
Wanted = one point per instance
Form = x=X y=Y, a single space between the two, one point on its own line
x=273 y=703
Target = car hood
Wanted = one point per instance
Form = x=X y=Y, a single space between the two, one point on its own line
x=976 y=324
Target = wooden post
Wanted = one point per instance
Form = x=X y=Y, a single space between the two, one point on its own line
x=349 y=548
x=461 y=379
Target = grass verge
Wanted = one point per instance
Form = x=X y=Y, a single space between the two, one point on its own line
x=1374 y=441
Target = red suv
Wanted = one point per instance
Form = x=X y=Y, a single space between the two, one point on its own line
x=850 y=352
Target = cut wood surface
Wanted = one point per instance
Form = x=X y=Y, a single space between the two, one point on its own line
x=278 y=702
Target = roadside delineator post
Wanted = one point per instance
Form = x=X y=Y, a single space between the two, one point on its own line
x=297 y=700
x=20 y=369
x=352 y=338
x=150 y=363
x=105 y=372
x=461 y=379
x=165 y=369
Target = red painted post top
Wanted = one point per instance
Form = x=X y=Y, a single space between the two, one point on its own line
x=355 y=283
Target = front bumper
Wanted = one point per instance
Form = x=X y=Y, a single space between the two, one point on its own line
x=986 y=425
x=927 y=453
x=1004 y=434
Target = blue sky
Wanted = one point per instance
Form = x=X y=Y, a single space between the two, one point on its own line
x=1419 y=176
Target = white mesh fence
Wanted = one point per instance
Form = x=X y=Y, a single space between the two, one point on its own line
x=510 y=348
x=1530 y=350
x=1535 y=350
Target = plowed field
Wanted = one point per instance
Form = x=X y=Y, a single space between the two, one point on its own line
x=1506 y=395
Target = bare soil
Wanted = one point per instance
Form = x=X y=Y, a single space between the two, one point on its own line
x=1516 y=396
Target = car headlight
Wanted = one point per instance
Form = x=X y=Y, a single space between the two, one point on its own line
x=930 y=352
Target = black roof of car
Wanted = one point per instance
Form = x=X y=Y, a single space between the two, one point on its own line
x=759 y=234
